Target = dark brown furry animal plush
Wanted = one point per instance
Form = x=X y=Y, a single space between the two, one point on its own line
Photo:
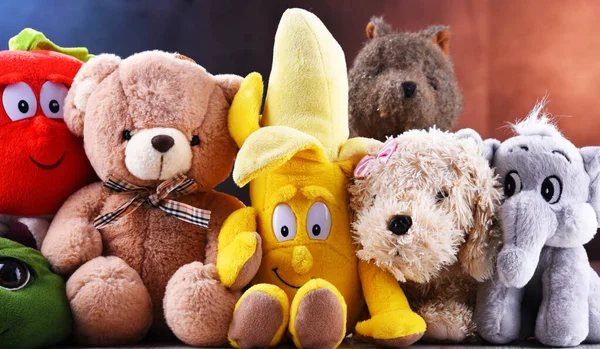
x=402 y=81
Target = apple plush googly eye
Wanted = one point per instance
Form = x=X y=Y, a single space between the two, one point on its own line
x=284 y=223
x=52 y=98
x=19 y=101
x=318 y=221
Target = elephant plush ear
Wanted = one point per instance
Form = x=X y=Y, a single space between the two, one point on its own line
x=591 y=162
x=488 y=147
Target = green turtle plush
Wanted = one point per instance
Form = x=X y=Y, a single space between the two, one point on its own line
x=34 y=311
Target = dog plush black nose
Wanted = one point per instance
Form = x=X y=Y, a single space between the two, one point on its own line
x=162 y=143
x=399 y=225
x=409 y=88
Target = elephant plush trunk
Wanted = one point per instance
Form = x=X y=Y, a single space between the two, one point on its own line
x=527 y=222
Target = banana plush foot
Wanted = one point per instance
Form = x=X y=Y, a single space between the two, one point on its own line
x=395 y=329
x=318 y=316
x=260 y=317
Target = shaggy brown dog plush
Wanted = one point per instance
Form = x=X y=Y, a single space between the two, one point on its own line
x=402 y=81
x=145 y=121
x=425 y=215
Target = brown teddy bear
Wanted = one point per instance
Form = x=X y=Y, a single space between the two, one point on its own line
x=424 y=211
x=402 y=81
x=140 y=247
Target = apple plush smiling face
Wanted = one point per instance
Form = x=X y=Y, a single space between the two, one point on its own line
x=42 y=163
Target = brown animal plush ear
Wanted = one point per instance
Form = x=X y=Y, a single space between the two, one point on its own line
x=477 y=255
x=440 y=36
x=377 y=27
x=87 y=79
x=229 y=84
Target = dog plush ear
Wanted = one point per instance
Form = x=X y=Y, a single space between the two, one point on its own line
x=377 y=27
x=86 y=81
x=482 y=237
x=591 y=162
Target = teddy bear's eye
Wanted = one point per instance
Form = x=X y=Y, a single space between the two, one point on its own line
x=441 y=195
x=126 y=135
x=195 y=141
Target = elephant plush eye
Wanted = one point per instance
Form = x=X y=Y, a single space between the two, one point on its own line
x=14 y=275
x=284 y=223
x=512 y=184
x=551 y=189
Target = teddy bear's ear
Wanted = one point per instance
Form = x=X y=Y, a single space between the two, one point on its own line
x=440 y=36
x=378 y=27
x=87 y=79
x=229 y=84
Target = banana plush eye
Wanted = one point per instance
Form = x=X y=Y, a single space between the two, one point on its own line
x=52 y=98
x=14 y=275
x=318 y=221
x=284 y=223
x=19 y=101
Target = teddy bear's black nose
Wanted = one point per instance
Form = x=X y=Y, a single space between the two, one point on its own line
x=399 y=225
x=162 y=143
x=409 y=88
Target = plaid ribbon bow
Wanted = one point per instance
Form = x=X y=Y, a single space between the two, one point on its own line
x=178 y=186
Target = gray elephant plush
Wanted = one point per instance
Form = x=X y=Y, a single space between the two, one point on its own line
x=544 y=285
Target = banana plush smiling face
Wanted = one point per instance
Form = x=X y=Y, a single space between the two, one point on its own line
x=304 y=230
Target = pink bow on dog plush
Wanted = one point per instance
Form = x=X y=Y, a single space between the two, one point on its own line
x=364 y=165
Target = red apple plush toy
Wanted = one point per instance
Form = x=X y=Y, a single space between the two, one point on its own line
x=41 y=162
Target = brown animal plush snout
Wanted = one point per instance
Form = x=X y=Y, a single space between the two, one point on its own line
x=409 y=88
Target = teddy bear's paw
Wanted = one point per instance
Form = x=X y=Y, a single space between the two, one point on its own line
x=318 y=316
x=260 y=317
x=396 y=329
x=197 y=307
x=66 y=252
x=110 y=303
x=239 y=261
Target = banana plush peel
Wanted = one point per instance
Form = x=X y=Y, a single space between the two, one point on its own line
x=297 y=158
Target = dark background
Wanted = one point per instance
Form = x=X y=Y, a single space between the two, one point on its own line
x=507 y=54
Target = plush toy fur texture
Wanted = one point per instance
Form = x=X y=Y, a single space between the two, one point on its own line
x=544 y=285
x=149 y=273
x=401 y=81
x=444 y=183
x=37 y=314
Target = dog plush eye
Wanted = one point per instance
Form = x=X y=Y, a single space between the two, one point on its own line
x=512 y=184
x=551 y=189
x=126 y=135
x=195 y=141
x=441 y=195
x=14 y=275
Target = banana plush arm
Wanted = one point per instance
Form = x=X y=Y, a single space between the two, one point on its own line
x=240 y=249
x=392 y=322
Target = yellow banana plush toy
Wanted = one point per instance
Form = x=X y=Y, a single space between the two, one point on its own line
x=297 y=157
